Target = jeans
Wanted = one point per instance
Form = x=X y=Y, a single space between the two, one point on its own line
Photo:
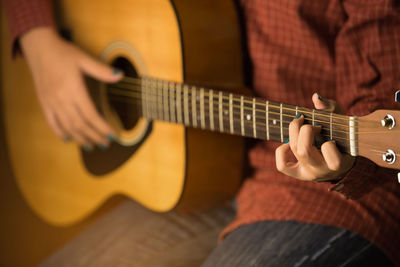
x=289 y=243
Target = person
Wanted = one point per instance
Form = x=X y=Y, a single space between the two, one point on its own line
x=349 y=50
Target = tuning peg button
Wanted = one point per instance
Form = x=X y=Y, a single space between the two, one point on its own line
x=398 y=177
x=397 y=96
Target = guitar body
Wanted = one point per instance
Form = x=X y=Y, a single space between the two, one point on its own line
x=161 y=165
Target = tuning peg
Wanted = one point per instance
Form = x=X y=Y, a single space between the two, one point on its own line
x=397 y=96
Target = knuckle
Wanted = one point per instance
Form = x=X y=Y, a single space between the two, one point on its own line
x=312 y=177
x=306 y=129
x=278 y=150
x=303 y=152
x=279 y=166
x=335 y=165
x=76 y=125
x=292 y=125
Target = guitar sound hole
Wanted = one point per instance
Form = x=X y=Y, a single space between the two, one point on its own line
x=123 y=98
x=122 y=102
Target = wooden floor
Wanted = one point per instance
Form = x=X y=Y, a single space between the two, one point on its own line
x=131 y=235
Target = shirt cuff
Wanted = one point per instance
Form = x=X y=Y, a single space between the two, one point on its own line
x=25 y=15
x=359 y=180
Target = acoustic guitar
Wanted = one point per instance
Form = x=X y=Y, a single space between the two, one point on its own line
x=179 y=141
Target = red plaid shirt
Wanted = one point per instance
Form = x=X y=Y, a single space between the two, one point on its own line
x=346 y=50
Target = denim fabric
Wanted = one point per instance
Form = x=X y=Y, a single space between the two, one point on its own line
x=289 y=243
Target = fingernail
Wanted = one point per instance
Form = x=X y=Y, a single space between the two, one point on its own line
x=111 y=137
x=287 y=141
x=298 y=115
x=103 y=146
x=88 y=148
x=117 y=72
x=321 y=98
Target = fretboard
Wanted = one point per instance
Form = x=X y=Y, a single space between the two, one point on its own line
x=231 y=113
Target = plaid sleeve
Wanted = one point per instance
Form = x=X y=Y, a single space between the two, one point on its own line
x=368 y=73
x=24 y=15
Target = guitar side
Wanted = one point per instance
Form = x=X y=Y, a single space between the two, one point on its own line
x=173 y=166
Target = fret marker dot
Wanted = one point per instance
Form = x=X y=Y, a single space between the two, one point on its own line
x=274 y=122
x=226 y=112
x=248 y=117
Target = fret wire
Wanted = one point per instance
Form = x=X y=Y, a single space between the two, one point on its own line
x=254 y=118
x=166 y=101
x=160 y=100
x=186 y=104
x=211 y=110
x=330 y=126
x=241 y=116
x=230 y=113
x=172 y=102
x=267 y=118
x=202 y=118
x=313 y=117
x=154 y=98
x=194 y=110
x=221 y=122
x=178 y=103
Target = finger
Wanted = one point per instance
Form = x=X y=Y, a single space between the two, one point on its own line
x=90 y=114
x=99 y=70
x=321 y=103
x=282 y=161
x=307 y=153
x=332 y=155
x=55 y=125
x=69 y=126
x=83 y=126
x=294 y=128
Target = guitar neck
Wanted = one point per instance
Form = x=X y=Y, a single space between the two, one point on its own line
x=231 y=113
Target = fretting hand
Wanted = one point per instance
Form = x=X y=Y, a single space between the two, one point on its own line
x=58 y=68
x=312 y=164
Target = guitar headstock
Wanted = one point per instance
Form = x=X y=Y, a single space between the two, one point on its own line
x=379 y=137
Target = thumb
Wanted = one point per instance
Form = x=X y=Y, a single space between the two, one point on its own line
x=324 y=104
x=99 y=70
x=319 y=102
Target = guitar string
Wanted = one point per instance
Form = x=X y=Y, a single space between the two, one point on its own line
x=206 y=103
x=262 y=132
x=139 y=83
x=285 y=115
x=139 y=88
x=238 y=113
x=236 y=106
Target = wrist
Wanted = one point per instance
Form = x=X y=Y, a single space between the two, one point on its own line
x=37 y=39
